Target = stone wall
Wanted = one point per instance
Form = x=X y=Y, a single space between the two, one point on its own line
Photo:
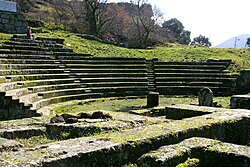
x=12 y=22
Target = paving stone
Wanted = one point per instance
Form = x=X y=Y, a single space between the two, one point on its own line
x=123 y=146
x=6 y=145
x=209 y=152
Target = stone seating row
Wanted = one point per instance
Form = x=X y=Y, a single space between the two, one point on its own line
x=37 y=85
x=190 y=77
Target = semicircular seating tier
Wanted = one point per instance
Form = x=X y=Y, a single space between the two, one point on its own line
x=37 y=73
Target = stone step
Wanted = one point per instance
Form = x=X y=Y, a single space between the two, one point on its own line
x=117 y=84
x=43 y=88
x=112 y=73
x=136 y=93
x=193 y=90
x=190 y=71
x=131 y=69
x=195 y=79
x=15 y=93
x=107 y=66
x=14 y=78
x=118 y=60
x=24 y=43
x=35 y=60
x=22 y=132
x=194 y=83
x=37 y=48
x=31 y=83
x=165 y=67
x=113 y=79
x=64 y=92
x=25 y=52
x=53 y=100
x=23 y=38
x=20 y=43
x=208 y=62
x=219 y=75
x=46 y=39
x=35 y=57
x=31 y=66
x=118 y=89
x=32 y=71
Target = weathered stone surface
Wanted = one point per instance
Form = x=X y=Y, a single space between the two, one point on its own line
x=89 y=126
x=240 y=101
x=153 y=99
x=74 y=152
x=206 y=97
x=6 y=145
x=22 y=128
x=126 y=145
x=186 y=111
x=209 y=152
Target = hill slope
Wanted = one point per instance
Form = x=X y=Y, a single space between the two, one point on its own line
x=167 y=52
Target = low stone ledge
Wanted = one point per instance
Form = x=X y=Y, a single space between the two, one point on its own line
x=74 y=152
x=7 y=145
x=240 y=101
x=186 y=111
x=22 y=128
x=22 y=132
x=209 y=152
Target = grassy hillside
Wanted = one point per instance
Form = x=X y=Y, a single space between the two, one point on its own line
x=169 y=52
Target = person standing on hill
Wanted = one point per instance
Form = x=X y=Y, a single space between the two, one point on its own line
x=30 y=35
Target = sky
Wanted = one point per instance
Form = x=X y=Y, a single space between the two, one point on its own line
x=218 y=20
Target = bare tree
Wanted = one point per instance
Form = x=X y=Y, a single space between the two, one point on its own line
x=145 y=19
x=120 y=23
x=96 y=15
x=70 y=13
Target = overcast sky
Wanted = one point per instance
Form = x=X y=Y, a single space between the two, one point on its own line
x=217 y=19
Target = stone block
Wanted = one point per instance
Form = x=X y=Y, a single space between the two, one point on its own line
x=240 y=101
x=153 y=99
x=206 y=97
x=18 y=23
x=5 y=21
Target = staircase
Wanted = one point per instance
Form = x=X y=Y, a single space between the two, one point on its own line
x=151 y=75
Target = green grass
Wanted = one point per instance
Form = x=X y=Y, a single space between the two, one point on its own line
x=168 y=52
x=130 y=104
x=4 y=37
x=35 y=140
